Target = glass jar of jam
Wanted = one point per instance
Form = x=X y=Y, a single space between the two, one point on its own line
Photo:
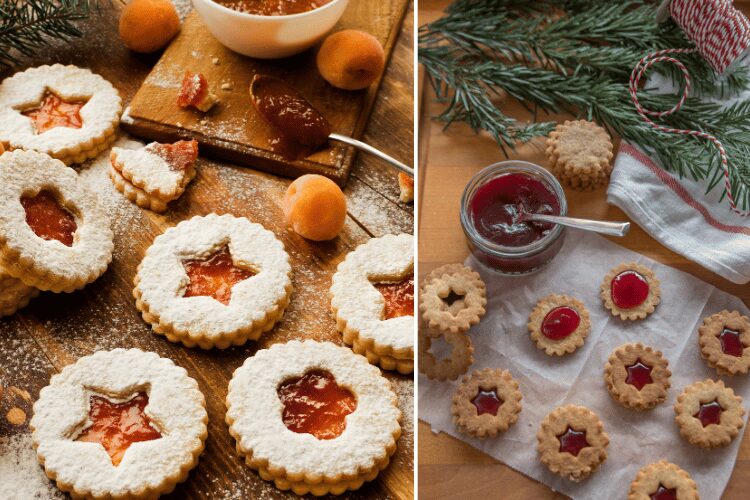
x=492 y=208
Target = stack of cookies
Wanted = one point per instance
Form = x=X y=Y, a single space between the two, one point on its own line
x=580 y=154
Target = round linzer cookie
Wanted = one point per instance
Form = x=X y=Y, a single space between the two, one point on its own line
x=109 y=417
x=724 y=339
x=214 y=281
x=571 y=442
x=580 y=154
x=486 y=403
x=631 y=291
x=709 y=414
x=637 y=376
x=67 y=112
x=559 y=324
x=372 y=298
x=663 y=480
x=54 y=234
x=313 y=417
x=452 y=298
x=449 y=368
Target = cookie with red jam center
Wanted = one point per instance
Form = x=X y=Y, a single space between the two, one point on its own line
x=637 y=376
x=631 y=291
x=559 y=324
x=709 y=414
x=486 y=403
x=662 y=481
x=724 y=340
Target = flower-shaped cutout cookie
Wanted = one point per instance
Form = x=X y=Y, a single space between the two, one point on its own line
x=709 y=414
x=663 y=480
x=637 y=376
x=444 y=369
x=559 y=324
x=724 y=340
x=486 y=403
x=452 y=298
x=630 y=291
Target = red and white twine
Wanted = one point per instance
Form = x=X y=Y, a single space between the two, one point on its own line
x=721 y=35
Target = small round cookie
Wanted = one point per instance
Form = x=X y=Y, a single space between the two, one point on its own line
x=571 y=442
x=213 y=281
x=580 y=154
x=107 y=418
x=313 y=417
x=486 y=403
x=637 y=376
x=452 y=299
x=69 y=113
x=709 y=414
x=54 y=233
x=724 y=339
x=663 y=479
x=445 y=369
x=372 y=298
x=559 y=324
x=631 y=291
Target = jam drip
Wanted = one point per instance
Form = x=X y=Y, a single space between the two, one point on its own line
x=54 y=112
x=639 y=375
x=560 y=322
x=664 y=493
x=629 y=289
x=48 y=219
x=315 y=404
x=572 y=441
x=273 y=7
x=214 y=276
x=180 y=156
x=709 y=413
x=731 y=343
x=116 y=426
x=399 y=297
x=487 y=402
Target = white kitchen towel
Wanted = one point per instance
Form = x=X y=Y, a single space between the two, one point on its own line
x=502 y=340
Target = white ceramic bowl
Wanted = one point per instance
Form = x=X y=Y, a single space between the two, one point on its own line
x=269 y=37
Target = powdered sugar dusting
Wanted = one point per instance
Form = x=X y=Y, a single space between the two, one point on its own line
x=21 y=476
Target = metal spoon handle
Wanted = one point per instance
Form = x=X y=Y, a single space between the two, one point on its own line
x=366 y=147
x=619 y=229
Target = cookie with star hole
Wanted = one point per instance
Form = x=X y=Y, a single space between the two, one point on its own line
x=663 y=480
x=724 y=339
x=709 y=414
x=571 y=442
x=486 y=403
x=637 y=376
x=459 y=361
x=630 y=291
x=313 y=417
x=54 y=233
x=372 y=298
x=559 y=324
x=105 y=419
x=452 y=298
x=66 y=112
x=214 y=281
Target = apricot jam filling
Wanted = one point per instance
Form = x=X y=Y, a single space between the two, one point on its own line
x=116 y=426
x=572 y=441
x=54 y=112
x=709 y=413
x=639 y=374
x=180 y=156
x=214 y=276
x=399 y=297
x=315 y=404
x=560 y=322
x=48 y=219
x=487 y=402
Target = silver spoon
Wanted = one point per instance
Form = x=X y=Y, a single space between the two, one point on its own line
x=618 y=229
x=366 y=147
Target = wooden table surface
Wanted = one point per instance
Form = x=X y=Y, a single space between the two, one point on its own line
x=57 y=329
x=449 y=467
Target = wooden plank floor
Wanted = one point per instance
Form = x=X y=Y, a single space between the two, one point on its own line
x=449 y=467
x=57 y=329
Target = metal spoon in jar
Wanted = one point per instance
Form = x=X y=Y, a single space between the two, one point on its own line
x=618 y=229
x=292 y=116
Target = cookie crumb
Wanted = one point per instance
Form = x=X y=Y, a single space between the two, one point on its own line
x=215 y=60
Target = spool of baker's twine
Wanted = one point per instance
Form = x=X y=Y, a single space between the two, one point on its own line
x=721 y=35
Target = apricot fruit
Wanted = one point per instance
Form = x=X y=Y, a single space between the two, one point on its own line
x=351 y=59
x=148 y=25
x=315 y=207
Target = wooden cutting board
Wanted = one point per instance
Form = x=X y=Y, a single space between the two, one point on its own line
x=233 y=130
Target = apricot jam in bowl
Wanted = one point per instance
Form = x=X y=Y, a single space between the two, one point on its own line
x=269 y=29
x=493 y=206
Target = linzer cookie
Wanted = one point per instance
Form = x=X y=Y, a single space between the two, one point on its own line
x=709 y=414
x=214 y=281
x=119 y=424
x=486 y=403
x=631 y=291
x=571 y=442
x=54 y=234
x=452 y=298
x=661 y=481
x=724 y=339
x=559 y=324
x=313 y=417
x=451 y=367
x=580 y=154
x=637 y=376
x=66 y=112
x=14 y=294
x=372 y=298
x=155 y=174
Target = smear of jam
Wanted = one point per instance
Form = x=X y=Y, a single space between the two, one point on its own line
x=560 y=322
x=639 y=375
x=48 y=219
x=497 y=209
x=272 y=7
x=301 y=129
x=399 y=297
x=116 y=426
x=572 y=441
x=214 y=276
x=487 y=402
x=54 y=112
x=664 y=493
x=180 y=156
x=709 y=413
x=315 y=404
x=731 y=343
x=193 y=90
x=629 y=289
